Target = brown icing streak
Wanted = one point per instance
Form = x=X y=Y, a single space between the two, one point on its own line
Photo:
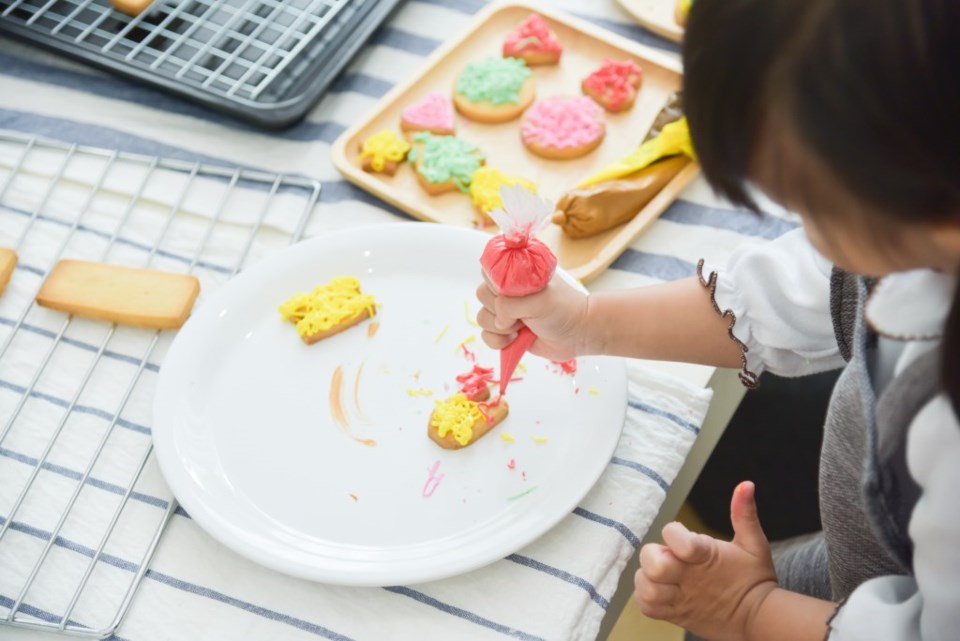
x=356 y=392
x=336 y=405
x=372 y=329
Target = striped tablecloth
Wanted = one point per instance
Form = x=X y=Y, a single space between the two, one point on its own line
x=558 y=587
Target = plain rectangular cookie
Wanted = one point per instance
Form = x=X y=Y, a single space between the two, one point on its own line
x=124 y=295
x=8 y=260
x=131 y=7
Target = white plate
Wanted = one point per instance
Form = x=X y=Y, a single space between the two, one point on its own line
x=246 y=439
x=657 y=16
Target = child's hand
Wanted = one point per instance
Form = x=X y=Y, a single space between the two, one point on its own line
x=557 y=315
x=709 y=587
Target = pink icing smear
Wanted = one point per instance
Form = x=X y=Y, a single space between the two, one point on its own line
x=561 y=123
x=531 y=34
x=433 y=112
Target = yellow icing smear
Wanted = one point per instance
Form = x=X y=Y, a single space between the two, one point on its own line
x=485 y=187
x=338 y=301
x=456 y=415
x=384 y=146
x=673 y=139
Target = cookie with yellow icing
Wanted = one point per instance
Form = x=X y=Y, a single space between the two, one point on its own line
x=329 y=309
x=485 y=191
x=458 y=422
x=494 y=90
x=383 y=152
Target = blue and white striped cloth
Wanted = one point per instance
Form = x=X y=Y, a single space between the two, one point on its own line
x=558 y=587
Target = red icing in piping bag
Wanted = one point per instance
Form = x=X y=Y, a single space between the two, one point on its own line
x=517 y=264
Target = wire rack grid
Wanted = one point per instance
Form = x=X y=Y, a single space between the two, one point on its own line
x=262 y=60
x=82 y=505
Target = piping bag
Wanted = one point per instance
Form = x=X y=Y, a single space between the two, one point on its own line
x=516 y=263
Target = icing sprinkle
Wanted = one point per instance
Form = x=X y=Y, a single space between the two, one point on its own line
x=466 y=305
x=507 y=437
x=382 y=147
x=539 y=439
x=485 y=188
x=512 y=464
x=433 y=480
x=593 y=391
x=615 y=82
x=336 y=302
x=532 y=33
x=567 y=367
x=441 y=334
x=434 y=112
x=494 y=80
x=419 y=392
x=524 y=493
x=445 y=158
x=474 y=382
x=561 y=123
x=457 y=415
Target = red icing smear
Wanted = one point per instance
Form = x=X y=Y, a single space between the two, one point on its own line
x=568 y=367
x=470 y=356
x=615 y=81
x=512 y=464
x=533 y=33
x=472 y=383
x=484 y=408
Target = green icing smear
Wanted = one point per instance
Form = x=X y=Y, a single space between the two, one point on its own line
x=444 y=158
x=495 y=80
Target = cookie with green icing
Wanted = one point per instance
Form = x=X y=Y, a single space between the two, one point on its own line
x=444 y=163
x=494 y=89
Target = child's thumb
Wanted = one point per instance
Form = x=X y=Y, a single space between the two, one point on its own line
x=747 y=531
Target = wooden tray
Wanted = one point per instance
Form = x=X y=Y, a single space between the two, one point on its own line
x=585 y=47
x=656 y=15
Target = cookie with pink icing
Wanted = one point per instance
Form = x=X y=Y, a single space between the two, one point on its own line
x=614 y=85
x=434 y=114
x=534 y=41
x=563 y=128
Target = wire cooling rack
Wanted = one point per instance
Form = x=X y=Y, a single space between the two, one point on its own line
x=266 y=61
x=82 y=505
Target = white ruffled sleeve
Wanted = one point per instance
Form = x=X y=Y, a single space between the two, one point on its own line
x=777 y=297
x=926 y=606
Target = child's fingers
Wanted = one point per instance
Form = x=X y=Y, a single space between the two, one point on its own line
x=687 y=546
x=655 y=600
x=497 y=341
x=747 y=532
x=659 y=563
x=488 y=321
x=486 y=296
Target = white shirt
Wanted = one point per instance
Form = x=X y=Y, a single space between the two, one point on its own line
x=779 y=292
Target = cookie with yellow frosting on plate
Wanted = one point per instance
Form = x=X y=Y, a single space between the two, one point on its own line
x=458 y=422
x=329 y=309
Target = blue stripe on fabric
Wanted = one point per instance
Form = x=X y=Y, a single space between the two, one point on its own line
x=630 y=30
x=395 y=38
x=246 y=606
x=80 y=409
x=361 y=83
x=643 y=469
x=654 y=265
x=121 y=241
x=179 y=584
x=76 y=476
x=616 y=525
x=46 y=333
x=31 y=269
x=461 y=613
x=656 y=411
x=737 y=220
x=37 y=613
x=563 y=576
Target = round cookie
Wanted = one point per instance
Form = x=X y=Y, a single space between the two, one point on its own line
x=534 y=41
x=563 y=128
x=614 y=85
x=444 y=163
x=494 y=90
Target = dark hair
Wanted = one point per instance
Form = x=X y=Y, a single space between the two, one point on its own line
x=871 y=87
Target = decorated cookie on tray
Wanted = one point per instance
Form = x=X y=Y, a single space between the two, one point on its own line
x=485 y=192
x=562 y=128
x=494 y=90
x=614 y=85
x=618 y=192
x=534 y=42
x=383 y=152
x=434 y=114
x=444 y=163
